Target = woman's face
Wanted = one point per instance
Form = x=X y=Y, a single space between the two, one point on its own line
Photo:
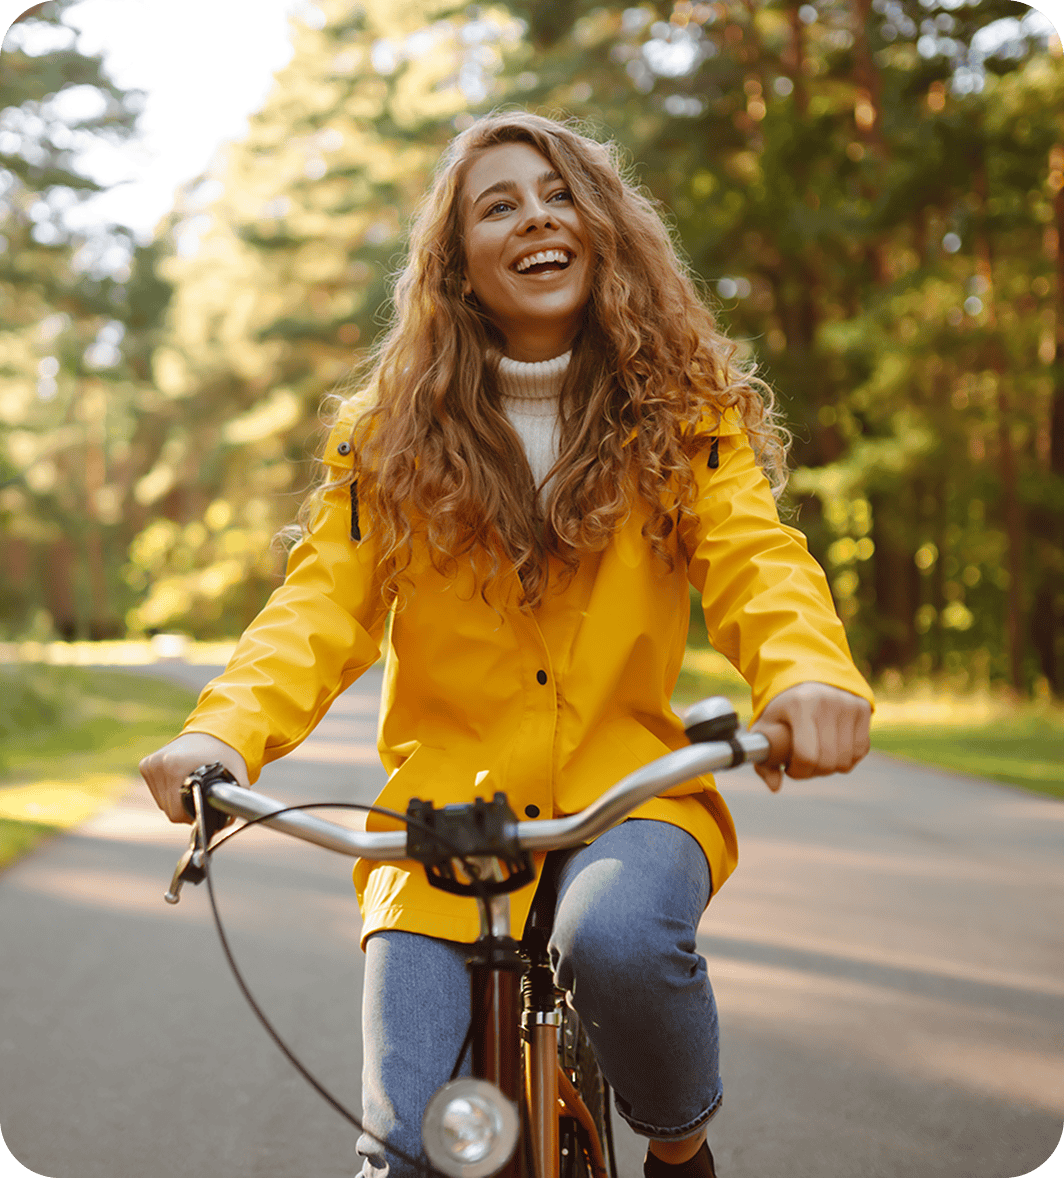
x=527 y=254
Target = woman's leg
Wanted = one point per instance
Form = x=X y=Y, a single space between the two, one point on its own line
x=624 y=948
x=415 y=1012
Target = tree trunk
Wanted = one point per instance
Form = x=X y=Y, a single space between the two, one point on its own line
x=1047 y=621
x=896 y=584
x=1011 y=510
x=1013 y=536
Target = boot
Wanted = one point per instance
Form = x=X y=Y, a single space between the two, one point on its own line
x=698 y=1166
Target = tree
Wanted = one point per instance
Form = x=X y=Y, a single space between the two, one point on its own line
x=69 y=392
x=281 y=269
x=866 y=185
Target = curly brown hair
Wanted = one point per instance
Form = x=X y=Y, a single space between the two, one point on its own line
x=436 y=454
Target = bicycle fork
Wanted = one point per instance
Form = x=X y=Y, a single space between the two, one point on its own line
x=540 y=1025
x=495 y=970
x=467 y=1131
x=520 y=1016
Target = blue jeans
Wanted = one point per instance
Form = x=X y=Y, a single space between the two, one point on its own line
x=623 y=947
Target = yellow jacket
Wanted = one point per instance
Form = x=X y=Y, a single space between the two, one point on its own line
x=553 y=706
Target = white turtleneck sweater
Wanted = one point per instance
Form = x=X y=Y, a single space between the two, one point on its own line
x=530 y=401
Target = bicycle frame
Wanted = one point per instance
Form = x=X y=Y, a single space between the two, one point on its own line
x=524 y=1068
x=510 y=1021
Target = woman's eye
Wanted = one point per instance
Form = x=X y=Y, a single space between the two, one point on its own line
x=502 y=206
x=562 y=194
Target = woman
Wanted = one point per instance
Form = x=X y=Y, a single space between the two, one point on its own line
x=554 y=439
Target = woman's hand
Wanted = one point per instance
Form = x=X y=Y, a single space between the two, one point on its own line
x=813 y=730
x=165 y=770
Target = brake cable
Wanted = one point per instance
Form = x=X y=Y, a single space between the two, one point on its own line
x=478 y=886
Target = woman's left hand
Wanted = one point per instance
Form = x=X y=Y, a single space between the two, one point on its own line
x=813 y=730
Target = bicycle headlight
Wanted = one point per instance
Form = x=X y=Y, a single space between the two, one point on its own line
x=469 y=1129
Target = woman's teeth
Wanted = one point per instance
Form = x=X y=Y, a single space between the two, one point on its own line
x=544 y=257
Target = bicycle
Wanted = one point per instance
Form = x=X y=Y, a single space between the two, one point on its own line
x=536 y=1105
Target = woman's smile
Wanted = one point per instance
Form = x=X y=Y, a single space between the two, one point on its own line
x=544 y=262
x=528 y=255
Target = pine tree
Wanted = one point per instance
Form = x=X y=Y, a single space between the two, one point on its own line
x=68 y=393
x=823 y=163
x=281 y=271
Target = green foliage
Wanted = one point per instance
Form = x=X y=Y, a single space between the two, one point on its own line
x=871 y=192
x=874 y=192
x=281 y=274
x=76 y=328
x=81 y=720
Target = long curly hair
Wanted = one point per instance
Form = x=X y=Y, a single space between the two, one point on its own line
x=436 y=454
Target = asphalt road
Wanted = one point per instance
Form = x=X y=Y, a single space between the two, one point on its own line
x=888 y=961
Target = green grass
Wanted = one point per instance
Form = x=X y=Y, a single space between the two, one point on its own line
x=17 y=836
x=1022 y=748
x=989 y=736
x=70 y=740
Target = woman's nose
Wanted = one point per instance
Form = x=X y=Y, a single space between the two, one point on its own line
x=537 y=215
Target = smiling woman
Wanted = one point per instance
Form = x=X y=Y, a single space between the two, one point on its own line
x=528 y=257
x=552 y=442
x=443 y=446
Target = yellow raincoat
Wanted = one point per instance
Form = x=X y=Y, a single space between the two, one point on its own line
x=553 y=706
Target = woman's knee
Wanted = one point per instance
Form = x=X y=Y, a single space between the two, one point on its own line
x=629 y=907
x=650 y=955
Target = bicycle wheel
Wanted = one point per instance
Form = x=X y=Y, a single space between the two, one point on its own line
x=577 y=1059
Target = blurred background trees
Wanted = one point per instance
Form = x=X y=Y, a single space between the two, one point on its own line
x=872 y=194
x=75 y=420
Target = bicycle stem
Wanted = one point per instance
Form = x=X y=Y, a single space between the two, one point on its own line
x=494 y=910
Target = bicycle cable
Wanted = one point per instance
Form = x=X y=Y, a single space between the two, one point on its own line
x=337 y=1105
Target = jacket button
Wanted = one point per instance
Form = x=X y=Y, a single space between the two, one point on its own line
x=344 y=448
x=532 y=811
x=541 y=676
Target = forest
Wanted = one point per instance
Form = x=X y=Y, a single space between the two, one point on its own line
x=871 y=193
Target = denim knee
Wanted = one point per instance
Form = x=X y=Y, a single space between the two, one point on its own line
x=628 y=910
x=588 y=953
x=624 y=947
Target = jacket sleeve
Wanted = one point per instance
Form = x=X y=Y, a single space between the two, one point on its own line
x=767 y=604
x=316 y=634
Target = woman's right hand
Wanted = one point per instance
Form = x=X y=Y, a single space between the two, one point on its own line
x=166 y=769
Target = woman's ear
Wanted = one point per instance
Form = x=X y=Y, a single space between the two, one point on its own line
x=467 y=286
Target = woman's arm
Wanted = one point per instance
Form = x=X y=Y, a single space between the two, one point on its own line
x=317 y=633
x=768 y=609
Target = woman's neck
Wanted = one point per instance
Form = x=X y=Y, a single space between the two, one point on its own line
x=532 y=382
x=533 y=347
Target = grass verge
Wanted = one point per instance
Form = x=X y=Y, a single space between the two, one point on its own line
x=70 y=740
x=986 y=735
x=1015 y=742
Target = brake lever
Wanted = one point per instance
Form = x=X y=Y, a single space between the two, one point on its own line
x=191 y=867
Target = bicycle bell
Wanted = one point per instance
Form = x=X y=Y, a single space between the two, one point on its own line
x=710 y=719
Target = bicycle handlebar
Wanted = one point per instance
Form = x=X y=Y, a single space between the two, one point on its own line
x=541 y=834
x=706 y=721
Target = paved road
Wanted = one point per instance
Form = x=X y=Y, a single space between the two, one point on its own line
x=888 y=962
